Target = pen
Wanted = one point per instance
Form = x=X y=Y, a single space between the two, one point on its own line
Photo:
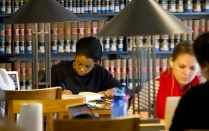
x=63 y=86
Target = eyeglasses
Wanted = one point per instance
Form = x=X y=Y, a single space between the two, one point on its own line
x=86 y=68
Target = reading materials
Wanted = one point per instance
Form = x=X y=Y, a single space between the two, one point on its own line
x=91 y=96
x=170 y=107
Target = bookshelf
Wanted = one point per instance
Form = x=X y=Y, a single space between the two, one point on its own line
x=125 y=53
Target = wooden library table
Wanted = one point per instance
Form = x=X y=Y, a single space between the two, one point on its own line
x=103 y=109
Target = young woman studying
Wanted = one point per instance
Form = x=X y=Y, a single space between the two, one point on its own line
x=192 y=111
x=177 y=79
x=84 y=74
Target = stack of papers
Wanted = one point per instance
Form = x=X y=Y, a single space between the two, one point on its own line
x=91 y=96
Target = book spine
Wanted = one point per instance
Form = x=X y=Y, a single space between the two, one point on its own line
x=130 y=74
x=172 y=5
x=90 y=7
x=202 y=25
x=29 y=75
x=8 y=7
x=105 y=64
x=67 y=36
x=100 y=25
x=74 y=36
x=60 y=37
x=157 y=42
x=179 y=6
x=122 y=4
x=66 y=4
x=54 y=37
x=8 y=66
x=3 y=65
x=94 y=6
x=117 y=6
x=113 y=43
x=107 y=6
x=74 y=6
x=87 y=28
x=16 y=38
x=28 y=37
x=123 y=71
x=196 y=28
x=111 y=68
x=120 y=43
x=171 y=42
x=2 y=7
x=2 y=38
x=112 y=6
x=188 y=5
x=80 y=30
x=99 y=8
x=16 y=67
x=82 y=4
x=94 y=29
x=86 y=6
x=41 y=41
x=130 y=42
x=22 y=75
x=103 y=6
x=117 y=69
x=197 y=6
x=78 y=6
x=70 y=5
x=16 y=5
x=164 y=43
x=177 y=39
x=190 y=25
x=22 y=38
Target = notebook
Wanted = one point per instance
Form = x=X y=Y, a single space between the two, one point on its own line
x=170 y=107
x=90 y=96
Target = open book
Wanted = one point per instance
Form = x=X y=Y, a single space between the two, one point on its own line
x=91 y=96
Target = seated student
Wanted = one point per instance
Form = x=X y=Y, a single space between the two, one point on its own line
x=192 y=111
x=177 y=79
x=83 y=73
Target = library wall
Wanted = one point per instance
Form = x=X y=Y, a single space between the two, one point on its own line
x=16 y=39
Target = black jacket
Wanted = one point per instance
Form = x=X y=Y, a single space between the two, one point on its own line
x=193 y=109
x=98 y=79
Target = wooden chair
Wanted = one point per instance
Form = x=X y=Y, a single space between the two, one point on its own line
x=50 y=107
x=34 y=94
x=104 y=124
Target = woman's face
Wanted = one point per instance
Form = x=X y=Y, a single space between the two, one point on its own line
x=185 y=67
x=83 y=65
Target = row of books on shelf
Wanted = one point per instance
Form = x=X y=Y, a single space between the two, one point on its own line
x=111 y=6
x=64 y=36
x=120 y=69
x=185 y=5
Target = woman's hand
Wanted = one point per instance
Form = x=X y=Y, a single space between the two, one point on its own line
x=108 y=94
x=67 y=92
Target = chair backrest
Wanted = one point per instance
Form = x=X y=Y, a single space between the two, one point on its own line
x=34 y=94
x=104 y=124
x=50 y=107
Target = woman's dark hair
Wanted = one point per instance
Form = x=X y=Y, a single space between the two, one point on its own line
x=89 y=47
x=184 y=47
x=201 y=48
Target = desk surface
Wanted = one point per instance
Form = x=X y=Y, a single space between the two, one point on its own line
x=104 y=110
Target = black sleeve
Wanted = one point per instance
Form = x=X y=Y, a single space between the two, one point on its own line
x=188 y=114
x=110 y=82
